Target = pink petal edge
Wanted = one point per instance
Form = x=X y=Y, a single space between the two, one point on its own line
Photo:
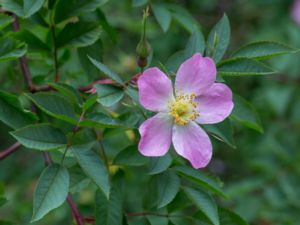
x=155 y=90
x=195 y=75
x=156 y=135
x=192 y=143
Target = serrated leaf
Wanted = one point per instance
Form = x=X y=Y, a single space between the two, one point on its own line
x=66 y=9
x=162 y=15
x=11 y=112
x=105 y=70
x=22 y=8
x=68 y=91
x=195 y=44
x=159 y=164
x=205 y=203
x=92 y=165
x=228 y=217
x=78 y=179
x=108 y=94
x=243 y=67
x=222 y=131
x=262 y=50
x=54 y=105
x=95 y=50
x=51 y=191
x=109 y=210
x=218 y=39
x=167 y=184
x=92 y=99
x=5 y=20
x=245 y=113
x=78 y=34
x=100 y=120
x=11 y=49
x=201 y=179
x=40 y=136
x=130 y=156
x=31 y=40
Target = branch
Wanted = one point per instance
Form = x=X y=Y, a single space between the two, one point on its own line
x=23 y=60
x=9 y=150
x=74 y=209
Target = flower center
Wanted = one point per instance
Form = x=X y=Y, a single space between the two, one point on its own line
x=183 y=109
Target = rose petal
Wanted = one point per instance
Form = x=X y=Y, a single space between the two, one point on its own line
x=192 y=143
x=214 y=105
x=155 y=90
x=195 y=75
x=156 y=135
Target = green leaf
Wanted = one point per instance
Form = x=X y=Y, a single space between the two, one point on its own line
x=108 y=94
x=167 y=187
x=245 y=113
x=78 y=34
x=92 y=99
x=262 y=50
x=66 y=9
x=12 y=114
x=218 y=39
x=5 y=20
x=183 y=17
x=162 y=15
x=22 y=8
x=228 y=217
x=2 y=201
x=68 y=91
x=130 y=156
x=138 y=3
x=175 y=60
x=105 y=70
x=95 y=50
x=32 y=40
x=40 y=136
x=78 y=179
x=200 y=178
x=195 y=44
x=11 y=49
x=109 y=210
x=100 y=120
x=54 y=105
x=110 y=30
x=222 y=131
x=92 y=165
x=51 y=191
x=205 y=203
x=243 y=67
x=159 y=164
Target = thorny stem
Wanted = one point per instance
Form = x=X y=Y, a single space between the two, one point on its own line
x=9 y=150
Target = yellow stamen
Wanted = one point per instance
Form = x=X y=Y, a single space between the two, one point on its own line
x=183 y=109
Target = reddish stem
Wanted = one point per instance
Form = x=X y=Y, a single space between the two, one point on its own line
x=9 y=150
x=75 y=211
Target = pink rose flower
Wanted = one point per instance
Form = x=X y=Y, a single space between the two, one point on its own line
x=295 y=13
x=197 y=99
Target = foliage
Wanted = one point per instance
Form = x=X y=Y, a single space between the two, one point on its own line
x=78 y=107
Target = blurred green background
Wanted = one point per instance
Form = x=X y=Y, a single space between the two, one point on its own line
x=261 y=175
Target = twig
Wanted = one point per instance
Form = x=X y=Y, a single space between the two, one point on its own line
x=75 y=211
x=23 y=60
x=9 y=150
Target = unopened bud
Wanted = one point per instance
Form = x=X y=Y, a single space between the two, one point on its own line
x=143 y=49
